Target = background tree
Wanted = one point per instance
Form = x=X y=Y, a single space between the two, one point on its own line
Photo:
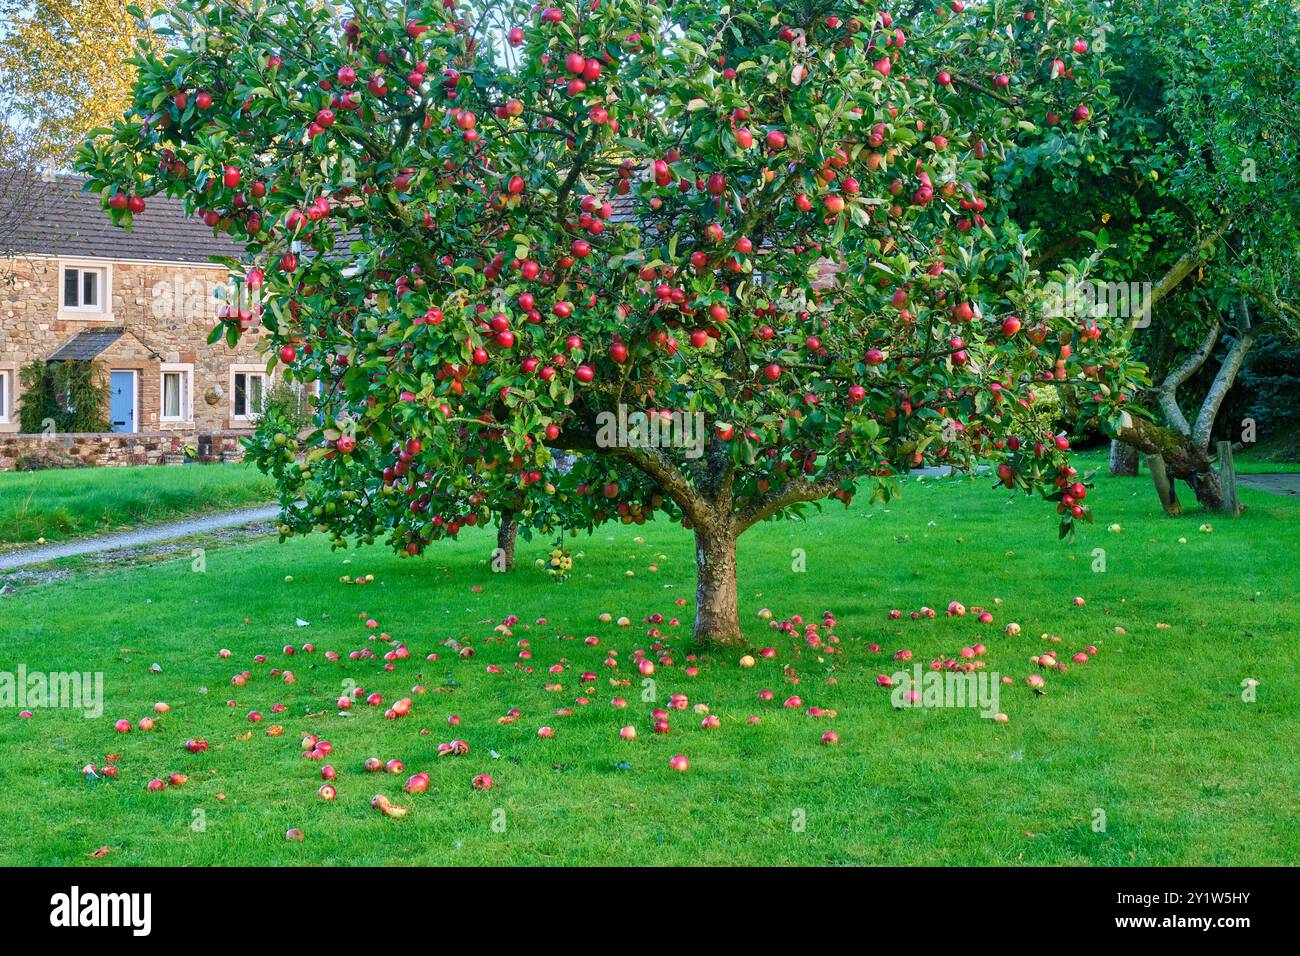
x=66 y=68
x=486 y=228
x=21 y=198
x=1192 y=190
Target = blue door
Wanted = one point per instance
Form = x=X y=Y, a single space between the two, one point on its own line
x=121 y=405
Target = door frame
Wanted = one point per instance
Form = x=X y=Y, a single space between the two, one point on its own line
x=135 y=399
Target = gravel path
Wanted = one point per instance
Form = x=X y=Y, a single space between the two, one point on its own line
x=134 y=539
x=24 y=557
x=1274 y=484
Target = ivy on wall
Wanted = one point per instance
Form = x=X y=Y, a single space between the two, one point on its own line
x=63 y=396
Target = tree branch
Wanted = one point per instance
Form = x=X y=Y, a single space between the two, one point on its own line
x=1167 y=394
x=660 y=467
x=1181 y=269
x=1223 y=380
x=790 y=493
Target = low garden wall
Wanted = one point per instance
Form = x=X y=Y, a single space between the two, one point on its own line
x=115 y=449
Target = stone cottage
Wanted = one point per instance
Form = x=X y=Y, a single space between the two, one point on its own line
x=140 y=306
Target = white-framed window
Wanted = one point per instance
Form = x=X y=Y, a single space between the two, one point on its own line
x=249 y=385
x=176 y=396
x=84 y=288
x=6 y=396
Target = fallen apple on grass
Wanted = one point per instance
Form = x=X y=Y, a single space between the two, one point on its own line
x=387 y=807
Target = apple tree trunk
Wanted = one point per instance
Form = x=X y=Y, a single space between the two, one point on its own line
x=506 y=534
x=717 y=612
x=1209 y=490
x=1123 y=460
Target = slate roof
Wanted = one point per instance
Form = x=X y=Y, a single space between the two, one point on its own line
x=85 y=345
x=71 y=223
x=624 y=208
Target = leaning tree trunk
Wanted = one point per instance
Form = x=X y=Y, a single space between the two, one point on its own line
x=1208 y=489
x=1123 y=460
x=506 y=534
x=717 y=611
x=1164 y=485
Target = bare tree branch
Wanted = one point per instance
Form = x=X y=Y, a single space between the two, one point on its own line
x=1226 y=376
x=1167 y=394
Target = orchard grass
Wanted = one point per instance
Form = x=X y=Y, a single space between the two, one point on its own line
x=66 y=503
x=1152 y=732
x=1280 y=455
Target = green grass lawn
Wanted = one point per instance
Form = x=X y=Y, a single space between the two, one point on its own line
x=1278 y=456
x=1152 y=732
x=63 y=504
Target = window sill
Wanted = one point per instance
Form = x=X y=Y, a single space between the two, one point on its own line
x=87 y=315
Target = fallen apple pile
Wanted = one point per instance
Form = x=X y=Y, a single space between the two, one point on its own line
x=806 y=654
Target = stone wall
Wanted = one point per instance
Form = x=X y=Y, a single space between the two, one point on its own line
x=116 y=449
x=221 y=446
x=167 y=310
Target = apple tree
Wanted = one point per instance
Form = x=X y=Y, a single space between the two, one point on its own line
x=486 y=231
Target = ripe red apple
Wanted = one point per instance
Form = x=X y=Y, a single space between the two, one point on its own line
x=678 y=762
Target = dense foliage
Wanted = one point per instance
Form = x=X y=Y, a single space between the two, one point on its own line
x=480 y=227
